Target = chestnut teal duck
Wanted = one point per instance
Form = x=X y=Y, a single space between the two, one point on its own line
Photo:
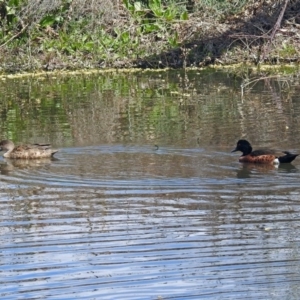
x=262 y=156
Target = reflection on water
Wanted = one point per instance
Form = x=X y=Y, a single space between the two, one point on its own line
x=248 y=169
x=10 y=165
x=169 y=108
x=116 y=217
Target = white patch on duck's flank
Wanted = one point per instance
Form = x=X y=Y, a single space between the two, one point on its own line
x=276 y=161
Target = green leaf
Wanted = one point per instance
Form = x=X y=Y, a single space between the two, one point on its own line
x=151 y=27
x=47 y=21
x=157 y=8
x=170 y=14
x=125 y=37
x=89 y=46
x=173 y=40
x=184 y=16
x=128 y=5
x=59 y=19
x=14 y=2
x=137 y=6
x=10 y=10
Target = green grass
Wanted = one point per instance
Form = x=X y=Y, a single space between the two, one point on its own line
x=36 y=34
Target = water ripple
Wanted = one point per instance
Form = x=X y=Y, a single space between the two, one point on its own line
x=175 y=227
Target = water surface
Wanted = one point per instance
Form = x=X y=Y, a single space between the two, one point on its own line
x=144 y=199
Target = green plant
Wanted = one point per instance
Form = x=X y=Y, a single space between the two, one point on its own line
x=287 y=50
x=57 y=16
x=173 y=40
x=156 y=10
x=157 y=17
x=12 y=7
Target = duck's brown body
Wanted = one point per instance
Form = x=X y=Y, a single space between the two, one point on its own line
x=261 y=159
x=26 y=151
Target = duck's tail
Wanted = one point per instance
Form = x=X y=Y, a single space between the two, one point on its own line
x=287 y=158
x=53 y=151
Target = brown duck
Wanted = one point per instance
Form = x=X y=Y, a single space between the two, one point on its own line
x=26 y=151
x=262 y=156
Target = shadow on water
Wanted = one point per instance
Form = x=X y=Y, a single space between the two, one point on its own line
x=116 y=217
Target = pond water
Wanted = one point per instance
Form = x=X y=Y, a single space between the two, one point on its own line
x=144 y=200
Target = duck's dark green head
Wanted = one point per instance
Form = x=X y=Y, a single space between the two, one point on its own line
x=243 y=146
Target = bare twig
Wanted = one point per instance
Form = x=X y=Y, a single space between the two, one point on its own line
x=245 y=84
x=275 y=29
x=16 y=35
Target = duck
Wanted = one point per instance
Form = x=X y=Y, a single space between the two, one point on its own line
x=262 y=156
x=33 y=151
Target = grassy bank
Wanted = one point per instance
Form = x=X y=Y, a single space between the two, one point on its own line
x=75 y=34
